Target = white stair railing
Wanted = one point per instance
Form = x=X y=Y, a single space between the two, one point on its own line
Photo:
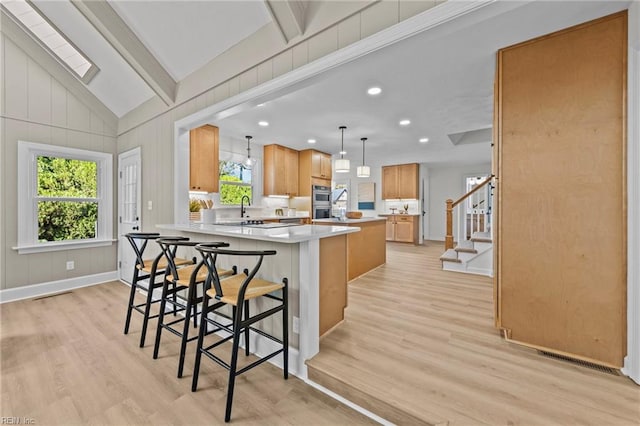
x=472 y=212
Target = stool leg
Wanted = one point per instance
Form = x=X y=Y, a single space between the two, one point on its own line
x=237 y=329
x=163 y=303
x=132 y=296
x=285 y=328
x=185 y=329
x=147 y=309
x=246 y=330
x=201 y=333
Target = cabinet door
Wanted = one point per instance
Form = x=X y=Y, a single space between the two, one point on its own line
x=203 y=159
x=389 y=182
x=408 y=181
x=404 y=230
x=325 y=166
x=316 y=164
x=391 y=229
x=291 y=172
x=274 y=170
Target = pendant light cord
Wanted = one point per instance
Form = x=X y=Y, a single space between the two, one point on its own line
x=342 y=145
x=363 y=139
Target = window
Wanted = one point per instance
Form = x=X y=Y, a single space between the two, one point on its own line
x=52 y=39
x=235 y=182
x=64 y=198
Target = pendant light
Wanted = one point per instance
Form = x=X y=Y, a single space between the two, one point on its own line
x=342 y=164
x=249 y=162
x=363 y=171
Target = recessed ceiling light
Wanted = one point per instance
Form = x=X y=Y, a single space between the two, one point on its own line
x=260 y=105
x=424 y=140
x=374 y=91
x=311 y=140
x=405 y=122
x=263 y=123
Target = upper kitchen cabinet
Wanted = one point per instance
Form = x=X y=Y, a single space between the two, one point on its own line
x=400 y=181
x=315 y=169
x=203 y=159
x=280 y=170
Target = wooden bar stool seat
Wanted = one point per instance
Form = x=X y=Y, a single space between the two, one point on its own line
x=237 y=291
x=177 y=280
x=147 y=269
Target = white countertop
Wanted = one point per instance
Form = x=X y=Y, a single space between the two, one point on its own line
x=349 y=221
x=285 y=234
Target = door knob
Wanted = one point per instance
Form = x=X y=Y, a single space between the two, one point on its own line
x=135 y=228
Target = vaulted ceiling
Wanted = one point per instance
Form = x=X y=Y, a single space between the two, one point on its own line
x=440 y=79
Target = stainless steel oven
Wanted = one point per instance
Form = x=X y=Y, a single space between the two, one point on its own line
x=320 y=202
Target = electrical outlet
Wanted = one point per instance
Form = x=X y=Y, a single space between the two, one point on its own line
x=296 y=325
x=71 y=265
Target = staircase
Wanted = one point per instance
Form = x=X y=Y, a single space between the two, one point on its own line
x=473 y=256
x=474 y=252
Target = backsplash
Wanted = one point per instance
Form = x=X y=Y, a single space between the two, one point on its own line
x=414 y=206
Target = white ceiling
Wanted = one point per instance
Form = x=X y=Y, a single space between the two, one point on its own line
x=441 y=79
x=185 y=35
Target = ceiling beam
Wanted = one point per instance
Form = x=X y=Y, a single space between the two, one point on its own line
x=113 y=28
x=289 y=17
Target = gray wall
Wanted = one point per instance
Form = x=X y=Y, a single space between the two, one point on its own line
x=38 y=108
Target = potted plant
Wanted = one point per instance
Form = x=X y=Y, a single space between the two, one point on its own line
x=194 y=209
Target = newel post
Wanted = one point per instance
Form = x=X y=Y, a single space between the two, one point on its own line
x=448 y=239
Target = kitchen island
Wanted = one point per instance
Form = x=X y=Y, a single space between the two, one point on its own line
x=366 y=249
x=313 y=258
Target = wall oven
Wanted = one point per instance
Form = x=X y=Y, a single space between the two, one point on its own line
x=320 y=202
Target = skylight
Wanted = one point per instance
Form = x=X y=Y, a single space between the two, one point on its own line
x=51 y=38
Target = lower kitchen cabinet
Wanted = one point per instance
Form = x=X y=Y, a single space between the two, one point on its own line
x=402 y=228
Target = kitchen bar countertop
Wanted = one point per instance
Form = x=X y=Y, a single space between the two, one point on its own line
x=284 y=234
x=400 y=214
x=348 y=221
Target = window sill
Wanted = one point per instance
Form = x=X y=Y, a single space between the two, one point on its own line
x=58 y=246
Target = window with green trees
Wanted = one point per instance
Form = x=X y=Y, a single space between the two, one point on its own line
x=67 y=199
x=235 y=182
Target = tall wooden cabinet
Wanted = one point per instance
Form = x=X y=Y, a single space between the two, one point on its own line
x=315 y=169
x=203 y=159
x=400 y=181
x=280 y=170
x=560 y=282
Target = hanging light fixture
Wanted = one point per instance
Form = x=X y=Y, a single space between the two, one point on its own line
x=249 y=162
x=342 y=164
x=363 y=171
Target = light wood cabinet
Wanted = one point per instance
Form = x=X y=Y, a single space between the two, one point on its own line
x=402 y=228
x=314 y=169
x=280 y=170
x=203 y=159
x=400 y=181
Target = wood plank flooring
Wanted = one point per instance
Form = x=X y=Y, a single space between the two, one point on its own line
x=65 y=361
x=418 y=346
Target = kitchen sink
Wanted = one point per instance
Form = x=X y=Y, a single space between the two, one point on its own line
x=257 y=224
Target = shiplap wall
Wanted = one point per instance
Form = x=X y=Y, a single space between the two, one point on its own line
x=153 y=130
x=38 y=108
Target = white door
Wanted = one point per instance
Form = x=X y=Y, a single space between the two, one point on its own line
x=129 y=208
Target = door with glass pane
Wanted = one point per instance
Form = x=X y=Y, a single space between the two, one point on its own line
x=129 y=209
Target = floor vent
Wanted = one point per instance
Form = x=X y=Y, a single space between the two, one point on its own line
x=587 y=364
x=52 y=295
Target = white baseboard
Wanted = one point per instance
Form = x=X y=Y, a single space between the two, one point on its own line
x=52 y=287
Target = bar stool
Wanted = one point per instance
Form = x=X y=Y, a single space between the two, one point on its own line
x=237 y=291
x=176 y=280
x=147 y=269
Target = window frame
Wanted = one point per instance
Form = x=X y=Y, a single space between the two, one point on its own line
x=28 y=153
x=232 y=159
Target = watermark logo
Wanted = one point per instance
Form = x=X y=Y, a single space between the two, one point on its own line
x=14 y=420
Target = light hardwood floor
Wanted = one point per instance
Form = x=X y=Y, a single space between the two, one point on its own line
x=64 y=360
x=418 y=346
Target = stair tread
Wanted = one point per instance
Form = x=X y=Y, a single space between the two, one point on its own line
x=484 y=237
x=450 y=256
x=466 y=247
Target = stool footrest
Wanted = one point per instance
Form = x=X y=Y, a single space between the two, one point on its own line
x=259 y=361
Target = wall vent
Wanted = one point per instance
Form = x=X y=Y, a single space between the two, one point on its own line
x=587 y=364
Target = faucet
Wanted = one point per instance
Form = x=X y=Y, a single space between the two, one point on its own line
x=243 y=210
